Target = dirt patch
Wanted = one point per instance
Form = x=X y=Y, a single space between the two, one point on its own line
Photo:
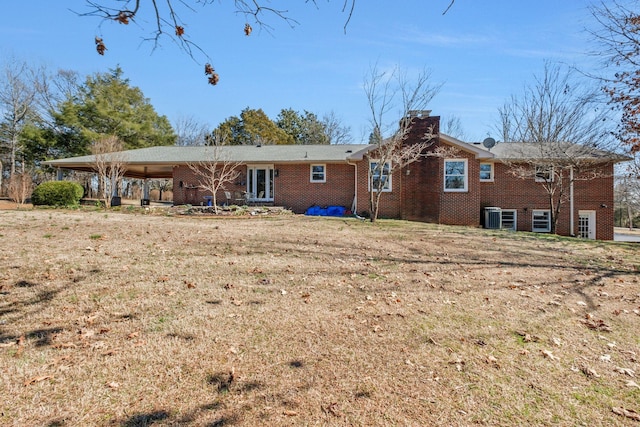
x=9 y=205
x=146 y=319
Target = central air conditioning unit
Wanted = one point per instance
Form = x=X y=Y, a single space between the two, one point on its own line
x=492 y=218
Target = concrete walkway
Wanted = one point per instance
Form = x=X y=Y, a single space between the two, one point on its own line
x=625 y=235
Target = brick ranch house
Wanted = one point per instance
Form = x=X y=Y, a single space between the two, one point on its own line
x=474 y=187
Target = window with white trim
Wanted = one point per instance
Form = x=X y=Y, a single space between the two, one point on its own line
x=544 y=173
x=455 y=175
x=541 y=221
x=486 y=172
x=379 y=176
x=509 y=219
x=318 y=173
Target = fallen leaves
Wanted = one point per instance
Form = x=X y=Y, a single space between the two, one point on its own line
x=632 y=384
x=629 y=413
x=20 y=343
x=37 y=379
x=595 y=324
x=526 y=337
x=332 y=409
x=491 y=360
x=625 y=371
x=589 y=372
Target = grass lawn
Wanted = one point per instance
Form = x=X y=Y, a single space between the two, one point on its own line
x=127 y=319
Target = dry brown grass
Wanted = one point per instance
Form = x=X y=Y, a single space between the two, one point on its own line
x=130 y=320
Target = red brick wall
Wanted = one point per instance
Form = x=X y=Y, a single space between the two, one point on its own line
x=422 y=195
x=424 y=198
x=389 y=206
x=186 y=191
x=510 y=192
x=592 y=195
x=417 y=192
x=294 y=189
x=422 y=190
x=462 y=208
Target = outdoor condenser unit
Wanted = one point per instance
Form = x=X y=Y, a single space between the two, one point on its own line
x=492 y=217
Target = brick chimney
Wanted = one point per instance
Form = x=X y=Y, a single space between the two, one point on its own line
x=421 y=123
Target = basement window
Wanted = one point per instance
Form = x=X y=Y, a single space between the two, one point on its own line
x=541 y=221
x=509 y=219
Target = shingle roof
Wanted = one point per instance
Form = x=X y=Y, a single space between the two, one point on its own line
x=236 y=153
x=159 y=161
x=532 y=151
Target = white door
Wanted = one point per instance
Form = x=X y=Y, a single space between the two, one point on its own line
x=260 y=183
x=587 y=224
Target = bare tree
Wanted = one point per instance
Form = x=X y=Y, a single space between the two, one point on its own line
x=167 y=18
x=53 y=89
x=392 y=95
x=110 y=165
x=334 y=129
x=618 y=45
x=627 y=191
x=162 y=185
x=190 y=131
x=216 y=171
x=18 y=92
x=20 y=187
x=452 y=126
x=560 y=133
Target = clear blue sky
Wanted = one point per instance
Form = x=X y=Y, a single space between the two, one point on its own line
x=481 y=50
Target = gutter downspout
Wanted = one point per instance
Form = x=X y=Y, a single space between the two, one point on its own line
x=354 y=205
x=571 y=206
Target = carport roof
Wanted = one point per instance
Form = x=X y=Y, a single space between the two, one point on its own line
x=158 y=162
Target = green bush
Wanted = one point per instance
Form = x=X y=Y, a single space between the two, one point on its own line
x=57 y=193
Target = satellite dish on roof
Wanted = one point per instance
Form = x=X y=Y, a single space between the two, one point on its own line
x=489 y=143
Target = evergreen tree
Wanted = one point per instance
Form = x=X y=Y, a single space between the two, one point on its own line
x=108 y=105
x=253 y=127
x=303 y=128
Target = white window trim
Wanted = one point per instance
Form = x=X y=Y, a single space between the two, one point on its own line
x=324 y=173
x=492 y=173
x=540 y=230
x=389 y=181
x=466 y=176
x=542 y=169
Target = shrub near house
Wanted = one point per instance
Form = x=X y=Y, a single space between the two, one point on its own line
x=57 y=193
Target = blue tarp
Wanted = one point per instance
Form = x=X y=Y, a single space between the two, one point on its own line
x=328 y=211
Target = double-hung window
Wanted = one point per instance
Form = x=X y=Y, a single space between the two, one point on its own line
x=455 y=175
x=541 y=221
x=380 y=176
x=486 y=172
x=318 y=173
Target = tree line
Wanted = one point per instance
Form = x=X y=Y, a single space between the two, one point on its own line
x=56 y=115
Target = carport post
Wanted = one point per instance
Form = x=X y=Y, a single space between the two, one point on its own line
x=145 y=189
